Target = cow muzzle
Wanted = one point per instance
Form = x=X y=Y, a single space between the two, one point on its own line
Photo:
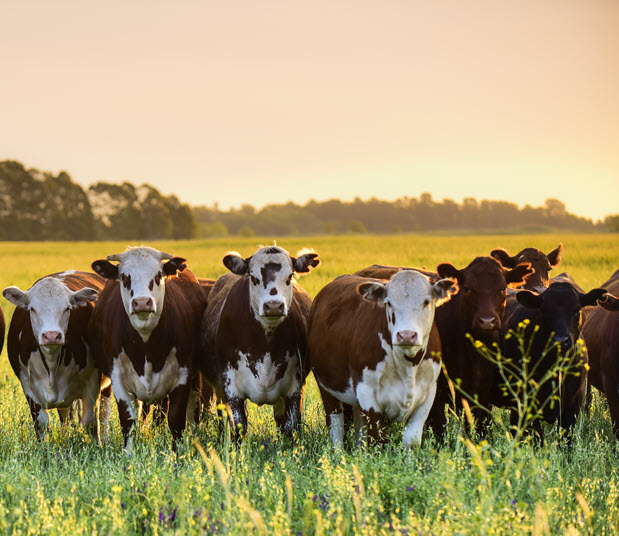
x=273 y=308
x=52 y=338
x=487 y=323
x=407 y=338
x=142 y=306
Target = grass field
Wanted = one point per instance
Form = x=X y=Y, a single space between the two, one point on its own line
x=68 y=485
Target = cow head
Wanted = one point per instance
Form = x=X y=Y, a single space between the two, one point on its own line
x=559 y=307
x=142 y=274
x=49 y=302
x=483 y=292
x=409 y=300
x=540 y=262
x=270 y=272
x=609 y=301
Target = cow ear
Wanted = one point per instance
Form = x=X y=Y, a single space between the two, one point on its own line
x=503 y=257
x=236 y=264
x=529 y=299
x=591 y=297
x=81 y=297
x=306 y=261
x=174 y=264
x=609 y=302
x=555 y=256
x=375 y=292
x=449 y=271
x=16 y=296
x=443 y=290
x=519 y=274
x=105 y=269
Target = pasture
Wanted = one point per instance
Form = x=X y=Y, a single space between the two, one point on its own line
x=270 y=485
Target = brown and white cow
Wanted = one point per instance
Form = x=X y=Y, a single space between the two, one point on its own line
x=477 y=311
x=254 y=335
x=374 y=346
x=539 y=261
x=49 y=349
x=145 y=330
x=601 y=334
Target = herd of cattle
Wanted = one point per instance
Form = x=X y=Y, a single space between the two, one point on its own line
x=146 y=329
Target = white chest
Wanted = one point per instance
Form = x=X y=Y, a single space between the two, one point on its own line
x=396 y=388
x=268 y=384
x=55 y=385
x=150 y=386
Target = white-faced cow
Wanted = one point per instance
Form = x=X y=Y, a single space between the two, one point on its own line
x=539 y=261
x=254 y=334
x=145 y=330
x=49 y=349
x=476 y=311
x=551 y=323
x=374 y=346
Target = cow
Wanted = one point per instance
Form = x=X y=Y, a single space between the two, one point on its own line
x=547 y=327
x=145 y=330
x=254 y=336
x=473 y=314
x=374 y=346
x=540 y=262
x=601 y=333
x=50 y=351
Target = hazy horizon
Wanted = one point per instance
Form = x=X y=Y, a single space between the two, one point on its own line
x=275 y=102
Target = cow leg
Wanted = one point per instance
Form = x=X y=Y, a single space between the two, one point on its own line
x=90 y=405
x=128 y=414
x=376 y=427
x=287 y=412
x=65 y=415
x=360 y=423
x=334 y=416
x=413 y=429
x=160 y=411
x=40 y=418
x=177 y=413
x=105 y=409
x=612 y=396
x=237 y=417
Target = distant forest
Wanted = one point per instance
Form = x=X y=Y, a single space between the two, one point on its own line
x=37 y=205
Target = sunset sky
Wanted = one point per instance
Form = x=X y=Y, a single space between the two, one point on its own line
x=269 y=101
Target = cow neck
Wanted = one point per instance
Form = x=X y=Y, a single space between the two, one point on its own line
x=52 y=358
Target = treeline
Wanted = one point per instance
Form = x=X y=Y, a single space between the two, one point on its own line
x=37 y=205
x=404 y=215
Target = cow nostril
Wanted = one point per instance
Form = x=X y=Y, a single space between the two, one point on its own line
x=406 y=338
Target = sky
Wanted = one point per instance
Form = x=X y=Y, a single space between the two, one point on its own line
x=272 y=101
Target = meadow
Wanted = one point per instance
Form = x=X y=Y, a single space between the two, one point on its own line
x=67 y=484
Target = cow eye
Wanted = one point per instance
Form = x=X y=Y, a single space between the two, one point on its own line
x=158 y=278
x=426 y=303
x=33 y=310
x=254 y=280
x=67 y=309
x=289 y=279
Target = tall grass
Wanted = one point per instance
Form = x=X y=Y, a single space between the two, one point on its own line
x=68 y=485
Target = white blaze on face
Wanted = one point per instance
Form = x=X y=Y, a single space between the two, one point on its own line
x=49 y=302
x=142 y=287
x=270 y=285
x=410 y=301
